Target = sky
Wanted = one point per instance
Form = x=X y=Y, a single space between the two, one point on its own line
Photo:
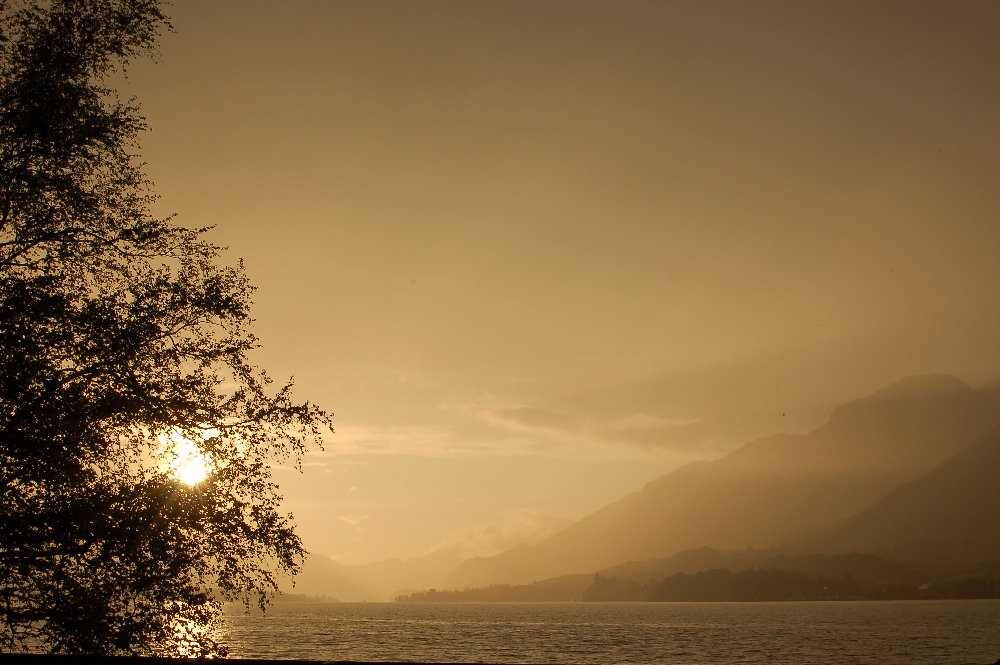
x=535 y=254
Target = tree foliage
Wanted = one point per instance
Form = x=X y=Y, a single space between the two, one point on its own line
x=120 y=332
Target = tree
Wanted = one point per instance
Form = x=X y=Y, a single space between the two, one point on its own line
x=124 y=346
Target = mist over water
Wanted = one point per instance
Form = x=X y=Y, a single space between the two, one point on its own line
x=679 y=633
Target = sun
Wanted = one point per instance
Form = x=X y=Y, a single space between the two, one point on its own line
x=181 y=458
x=191 y=464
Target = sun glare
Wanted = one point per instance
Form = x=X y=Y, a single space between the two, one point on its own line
x=192 y=465
x=183 y=459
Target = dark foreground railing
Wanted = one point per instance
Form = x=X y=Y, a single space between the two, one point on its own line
x=47 y=659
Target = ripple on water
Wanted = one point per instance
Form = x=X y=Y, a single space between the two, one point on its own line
x=918 y=632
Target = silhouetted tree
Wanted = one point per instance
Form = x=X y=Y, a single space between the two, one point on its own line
x=121 y=336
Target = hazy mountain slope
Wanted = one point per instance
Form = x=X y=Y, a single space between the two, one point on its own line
x=950 y=514
x=863 y=567
x=769 y=490
x=379 y=581
x=322 y=576
x=688 y=561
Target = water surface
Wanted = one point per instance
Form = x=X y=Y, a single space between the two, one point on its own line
x=919 y=632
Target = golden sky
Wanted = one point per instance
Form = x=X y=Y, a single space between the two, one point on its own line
x=534 y=254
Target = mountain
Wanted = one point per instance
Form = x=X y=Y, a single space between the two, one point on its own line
x=784 y=576
x=378 y=581
x=565 y=589
x=948 y=515
x=824 y=577
x=689 y=561
x=770 y=490
x=322 y=576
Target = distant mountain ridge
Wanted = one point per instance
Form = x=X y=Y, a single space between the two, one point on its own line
x=949 y=515
x=380 y=580
x=907 y=473
x=771 y=490
x=708 y=574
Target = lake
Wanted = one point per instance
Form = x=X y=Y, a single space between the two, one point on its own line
x=965 y=631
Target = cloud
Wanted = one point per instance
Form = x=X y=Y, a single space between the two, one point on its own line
x=642 y=430
x=485 y=426
x=465 y=433
x=354 y=520
x=655 y=432
x=511 y=529
x=531 y=417
x=358 y=438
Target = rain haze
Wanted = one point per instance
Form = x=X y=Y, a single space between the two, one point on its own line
x=536 y=254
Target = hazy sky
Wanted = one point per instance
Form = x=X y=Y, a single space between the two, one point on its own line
x=534 y=254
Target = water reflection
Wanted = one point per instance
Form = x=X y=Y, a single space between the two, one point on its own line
x=920 y=632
